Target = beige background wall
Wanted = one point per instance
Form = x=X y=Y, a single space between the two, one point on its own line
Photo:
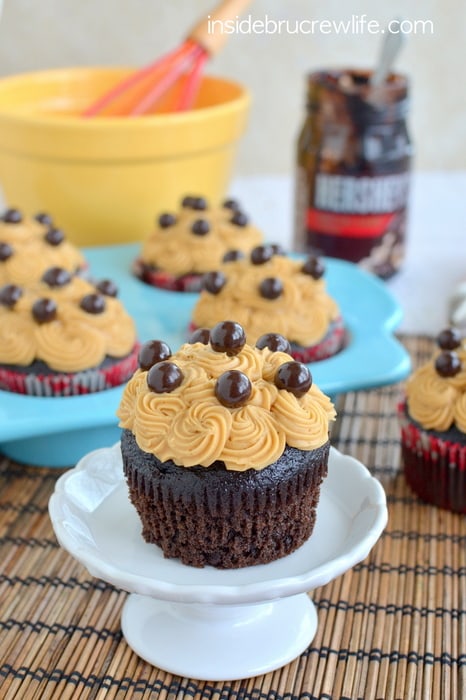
x=38 y=34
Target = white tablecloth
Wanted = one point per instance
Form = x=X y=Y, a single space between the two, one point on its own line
x=435 y=262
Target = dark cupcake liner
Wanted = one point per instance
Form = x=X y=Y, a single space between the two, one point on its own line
x=434 y=468
x=211 y=516
x=332 y=343
x=70 y=384
x=164 y=280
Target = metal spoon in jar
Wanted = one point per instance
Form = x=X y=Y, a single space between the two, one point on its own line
x=393 y=41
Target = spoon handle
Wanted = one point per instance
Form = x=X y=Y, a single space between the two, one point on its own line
x=394 y=40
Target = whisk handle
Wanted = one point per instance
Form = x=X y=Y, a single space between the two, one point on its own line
x=213 y=30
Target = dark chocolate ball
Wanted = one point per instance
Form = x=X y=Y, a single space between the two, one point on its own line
x=54 y=236
x=213 y=282
x=187 y=202
x=44 y=310
x=93 y=303
x=152 y=352
x=164 y=377
x=10 y=294
x=231 y=204
x=293 y=376
x=227 y=336
x=261 y=254
x=196 y=203
x=313 y=267
x=232 y=255
x=107 y=287
x=449 y=339
x=274 y=342
x=271 y=288
x=199 y=204
x=56 y=277
x=200 y=335
x=44 y=218
x=447 y=364
x=200 y=227
x=233 y=388
x=12 y=216
x=278 y=249
x=167 y=220
x=239 y=218
x=6 y=251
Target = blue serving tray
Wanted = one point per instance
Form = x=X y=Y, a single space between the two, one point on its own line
x=57 y=432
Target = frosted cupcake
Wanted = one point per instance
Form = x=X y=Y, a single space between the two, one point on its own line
x=267 y=291
x=31 y=245
x=64 y=336
x=192 y=241
x=224 y=447
x=433 y=417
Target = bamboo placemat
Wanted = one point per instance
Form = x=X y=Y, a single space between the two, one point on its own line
x=391 y=628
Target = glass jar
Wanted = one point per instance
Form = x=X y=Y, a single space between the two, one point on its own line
x=354 y=157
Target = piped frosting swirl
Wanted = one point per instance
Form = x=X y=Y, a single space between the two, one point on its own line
x=195 y=239
x=29 y=246
x=54 y=325
x=302 y=309
x=191 y=426
x=436 y=392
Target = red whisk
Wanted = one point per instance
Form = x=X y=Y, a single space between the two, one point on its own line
x=177 y=74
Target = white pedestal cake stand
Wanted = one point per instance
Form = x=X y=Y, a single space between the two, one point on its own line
x=206 y=623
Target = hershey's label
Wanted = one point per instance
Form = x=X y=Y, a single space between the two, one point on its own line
x=361 y=195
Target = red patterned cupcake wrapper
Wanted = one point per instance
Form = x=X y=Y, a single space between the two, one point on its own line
x=333 y=342
x=70 y=384
x=434 y=468
x=164 y=280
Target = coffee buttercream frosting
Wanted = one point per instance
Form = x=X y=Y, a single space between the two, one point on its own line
x=274 y=295
x=190 y=425
x=70 y=325
x=194 y=239
x=29 y=246
x=436 y=392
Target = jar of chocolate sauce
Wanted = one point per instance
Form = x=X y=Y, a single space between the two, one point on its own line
x=354 y=157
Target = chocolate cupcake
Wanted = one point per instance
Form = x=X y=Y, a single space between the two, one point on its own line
x=31 y=245
x=224 y=448
x=433 y=425
x=192 y=241
x=64 y=336
x=267 y=291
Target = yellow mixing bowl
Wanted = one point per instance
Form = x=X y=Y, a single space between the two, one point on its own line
x=105 y=179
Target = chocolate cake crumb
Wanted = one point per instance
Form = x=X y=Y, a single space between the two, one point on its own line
x=223 y=518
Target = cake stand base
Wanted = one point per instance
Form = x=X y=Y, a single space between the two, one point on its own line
x=218 y=642
x=206 y=623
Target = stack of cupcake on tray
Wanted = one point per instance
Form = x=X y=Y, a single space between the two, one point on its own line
x=60 y=333
x=225 y=439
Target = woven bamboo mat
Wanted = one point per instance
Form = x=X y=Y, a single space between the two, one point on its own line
x=394 y=627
